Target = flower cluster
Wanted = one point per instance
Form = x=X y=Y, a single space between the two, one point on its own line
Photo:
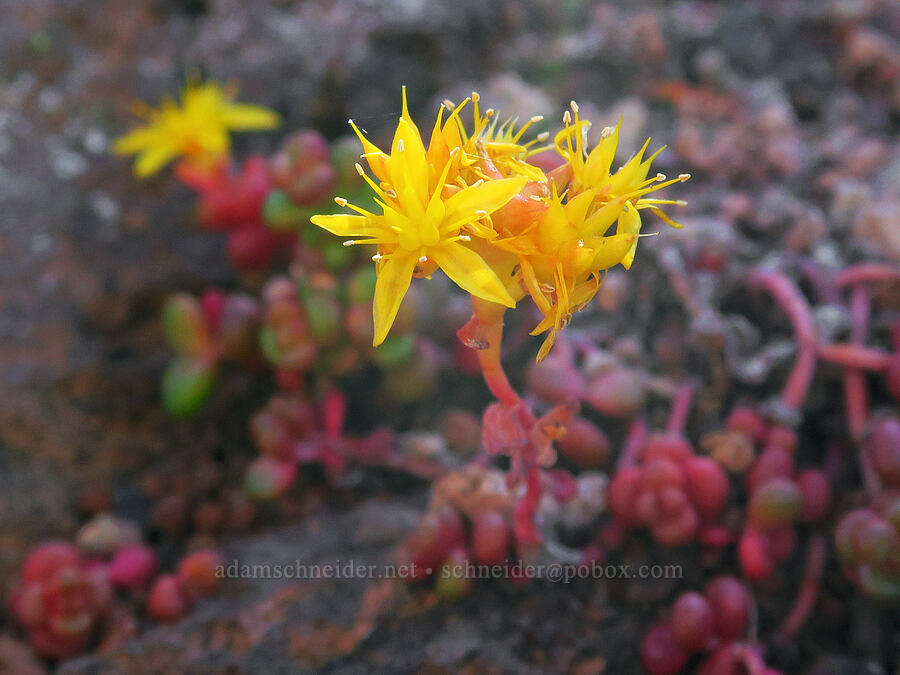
x=472 y=205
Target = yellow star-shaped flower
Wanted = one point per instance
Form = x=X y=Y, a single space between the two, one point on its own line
x=425 y=223
x=197 y=130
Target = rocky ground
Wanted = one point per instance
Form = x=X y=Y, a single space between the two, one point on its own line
x=786 y=112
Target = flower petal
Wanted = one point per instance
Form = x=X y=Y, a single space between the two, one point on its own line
x=488 y=196
x=610 y=251
x=134 y=141
x=409 y=169
x=244 y=116
x=471 y=273
x=629 y=223
x=391 y=285
x=344 y=225
x=153 y=159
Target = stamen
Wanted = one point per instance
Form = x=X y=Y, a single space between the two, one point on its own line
x=543 y=136
x=423 y=259
x=465 y=237
x=476 y=97
x=489 y=112
x=684 y=176
x=606 y=132
x=481 y=213
x=567 y=118
x=660 y=176
x=377 y=257
x=349 y=242
x=359 y=169
x=448 y=104
x=573 y=106
x=680 y=202
x=536 y=119
x=340 y=201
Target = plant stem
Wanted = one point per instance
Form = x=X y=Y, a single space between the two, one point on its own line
x=809 y=589
x=680 y=410
x=484 y=333
x=792 y=303
x=856 y=395
x=867 y=272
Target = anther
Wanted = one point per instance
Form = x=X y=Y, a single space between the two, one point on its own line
x=423 y=259
x=680 y=202
x=660 y=176
x=400 y=145
x=573 y=106
x=349 y=242
x=543 y=136
x=476 y=97
x=684 y=176
x=536 y=119
x=567 y=118
x=340 y=201
x=465 y=237
x=377 y=257
x=448 y=104
x=359 y=169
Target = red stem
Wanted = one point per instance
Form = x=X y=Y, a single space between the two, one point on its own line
x=856 y=394
x=868 y=272
x=484 y=333
x=792 y=303
x=797 y=386
x=680 y=410
x=855 y=356
x=809 y=590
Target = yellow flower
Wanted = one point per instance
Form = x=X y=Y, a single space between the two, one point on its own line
x=197 y=130
x=425 y=223
x=563 y=258
x=613 y=190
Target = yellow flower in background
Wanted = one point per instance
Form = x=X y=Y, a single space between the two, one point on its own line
x=197 y=130
x=613 y=190
x=425 y=223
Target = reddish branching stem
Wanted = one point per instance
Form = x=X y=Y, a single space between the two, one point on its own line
x=855 y=356
x=867 y=272
x=681 y=409
x=791 y=301
x=809 y=589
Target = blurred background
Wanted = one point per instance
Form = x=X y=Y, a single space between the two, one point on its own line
x=785 y=111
